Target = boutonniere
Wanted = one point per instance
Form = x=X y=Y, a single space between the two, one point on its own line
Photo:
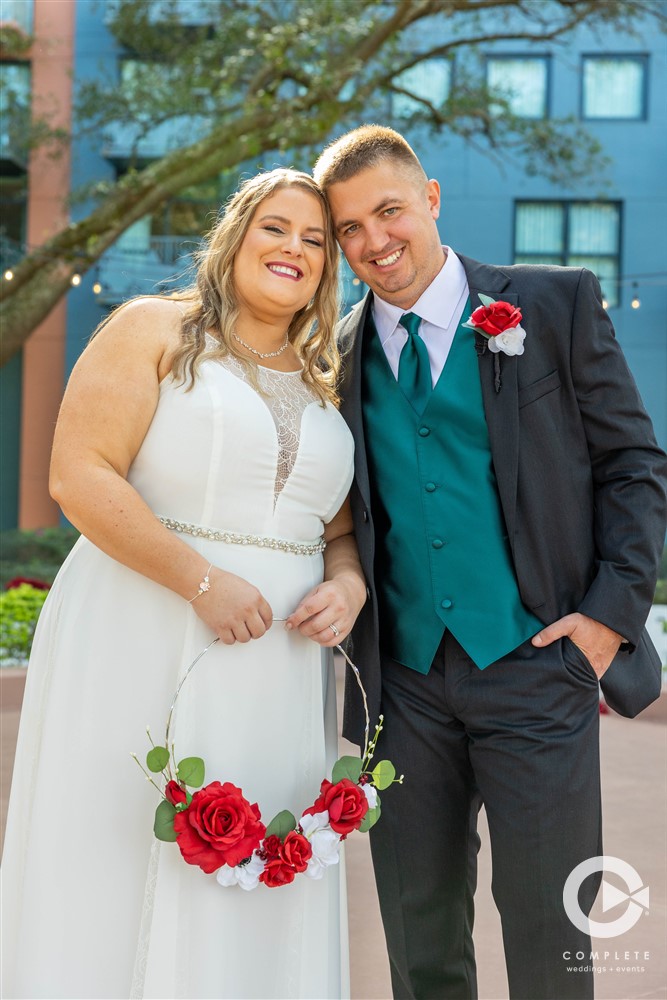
x=500 y=323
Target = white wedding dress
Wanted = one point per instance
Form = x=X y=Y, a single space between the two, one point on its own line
x=93 y=905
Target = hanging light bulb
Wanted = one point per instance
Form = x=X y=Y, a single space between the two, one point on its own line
x=9 y=274
x=97 y=288
x=75 y=280
x=605 y=304
x=635 y=298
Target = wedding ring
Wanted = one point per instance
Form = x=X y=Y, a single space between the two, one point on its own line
x=334 y=630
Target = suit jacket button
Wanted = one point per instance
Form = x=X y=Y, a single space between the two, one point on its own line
x=424 y=431
x=430 y=487
x=437 y=543
x=365 y=515
x=446 y=603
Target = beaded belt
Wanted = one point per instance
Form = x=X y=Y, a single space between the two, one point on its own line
x=233 y=538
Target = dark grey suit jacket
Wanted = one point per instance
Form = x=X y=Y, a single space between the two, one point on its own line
x=582 y=482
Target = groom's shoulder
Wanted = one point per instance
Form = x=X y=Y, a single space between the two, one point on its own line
x=349 y=324
x=542 y=276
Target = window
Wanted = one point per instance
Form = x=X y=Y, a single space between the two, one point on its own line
x=522 y=81
x=614 y=87
x=19 y=12
x=430 y=79
x=576 y=233
x=14 y=114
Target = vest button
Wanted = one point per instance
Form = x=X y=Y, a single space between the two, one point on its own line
x=446 y=603
x=437 y=543
x=430 y=487
x=424 y=431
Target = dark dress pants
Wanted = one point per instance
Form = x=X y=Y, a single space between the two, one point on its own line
x=521 y=737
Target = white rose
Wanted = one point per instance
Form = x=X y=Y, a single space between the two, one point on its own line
x=326 y=847
x=510 y=342
x=247 y=875
x=310 y=823
x=371 y=793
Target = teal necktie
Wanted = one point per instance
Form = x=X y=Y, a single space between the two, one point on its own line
x=414 y=367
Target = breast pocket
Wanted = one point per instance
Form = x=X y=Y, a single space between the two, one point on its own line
x=529 y=393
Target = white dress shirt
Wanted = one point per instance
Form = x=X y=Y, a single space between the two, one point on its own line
x=439 y=307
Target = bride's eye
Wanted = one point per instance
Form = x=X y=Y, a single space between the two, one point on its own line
x=313 y=241
x=274 y=229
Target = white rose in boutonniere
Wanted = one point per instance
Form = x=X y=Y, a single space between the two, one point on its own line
x=500 y=323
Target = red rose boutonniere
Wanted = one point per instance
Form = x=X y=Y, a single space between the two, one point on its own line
x=500 y=323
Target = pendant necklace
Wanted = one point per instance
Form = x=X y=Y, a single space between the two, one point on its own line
x=268 y=354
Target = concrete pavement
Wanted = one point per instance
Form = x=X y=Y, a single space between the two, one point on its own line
x=634 y=771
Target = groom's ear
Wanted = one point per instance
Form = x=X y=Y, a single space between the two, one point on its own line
x=433 y=197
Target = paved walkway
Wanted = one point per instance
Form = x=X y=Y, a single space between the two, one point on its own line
x=635 y=810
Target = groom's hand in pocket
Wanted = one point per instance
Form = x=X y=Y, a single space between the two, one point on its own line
x=597 y=642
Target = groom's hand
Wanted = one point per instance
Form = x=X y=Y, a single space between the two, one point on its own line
x=598 y=643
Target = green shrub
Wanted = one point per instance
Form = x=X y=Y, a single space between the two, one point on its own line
x=38 y=554
x=19 y=611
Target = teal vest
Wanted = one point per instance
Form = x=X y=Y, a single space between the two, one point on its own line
x=442 y=555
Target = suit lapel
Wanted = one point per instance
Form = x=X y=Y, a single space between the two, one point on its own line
x=501 y=407
x=351 y=342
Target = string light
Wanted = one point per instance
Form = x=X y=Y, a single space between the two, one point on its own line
x=97 y=288
x=9 y=274
x=605 y=304
x=635 y=298
x=75 y=280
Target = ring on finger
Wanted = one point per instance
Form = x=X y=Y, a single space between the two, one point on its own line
x=335 y=631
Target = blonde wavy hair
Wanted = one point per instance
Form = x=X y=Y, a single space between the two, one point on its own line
x=212 y=305
x=211 y=302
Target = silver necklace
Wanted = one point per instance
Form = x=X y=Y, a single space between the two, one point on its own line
x=269 y=354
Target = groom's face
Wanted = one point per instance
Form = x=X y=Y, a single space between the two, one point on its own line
x=385 y=223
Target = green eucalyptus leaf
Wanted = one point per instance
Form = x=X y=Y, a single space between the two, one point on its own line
x=157 y=759
x=346 y=767
x=486 y=300
x=370 y=819
x=383 y=773
x=163 y=827
x=191 y=771
x=281 y=825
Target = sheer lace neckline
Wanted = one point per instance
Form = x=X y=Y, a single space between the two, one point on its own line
x=286 y=399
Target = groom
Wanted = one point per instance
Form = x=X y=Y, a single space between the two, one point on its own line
x=510 y=511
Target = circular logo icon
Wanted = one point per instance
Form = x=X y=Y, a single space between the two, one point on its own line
x=636 y=898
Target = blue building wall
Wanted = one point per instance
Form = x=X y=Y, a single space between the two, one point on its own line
x=479 y=195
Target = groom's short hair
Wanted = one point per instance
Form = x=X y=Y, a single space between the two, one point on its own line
x=362 y=148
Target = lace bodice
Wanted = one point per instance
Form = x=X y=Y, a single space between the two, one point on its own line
x=286 y=395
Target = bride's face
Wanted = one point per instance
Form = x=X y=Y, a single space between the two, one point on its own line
x=280 y=262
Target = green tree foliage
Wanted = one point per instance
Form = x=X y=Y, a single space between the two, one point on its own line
x=255 y=78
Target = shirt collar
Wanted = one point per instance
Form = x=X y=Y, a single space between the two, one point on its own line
x=436 y=304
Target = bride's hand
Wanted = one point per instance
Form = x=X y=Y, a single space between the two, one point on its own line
x=332 y=603
x=233 y=608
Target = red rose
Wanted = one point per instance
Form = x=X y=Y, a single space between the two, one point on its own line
x=292 y=857
x=296 y=851
x=496 y=318
x=174 y=793
x=277 y=872
x=271 y=846
x=346 y=803
x=219 y=827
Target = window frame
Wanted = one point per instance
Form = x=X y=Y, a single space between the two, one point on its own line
x=566 y=204
x=447 y=60
x=639 y=57
x=544 y=57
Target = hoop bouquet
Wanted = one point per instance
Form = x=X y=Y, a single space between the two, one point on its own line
x=218 y=829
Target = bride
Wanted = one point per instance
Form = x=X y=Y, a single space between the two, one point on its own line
x=200 y=452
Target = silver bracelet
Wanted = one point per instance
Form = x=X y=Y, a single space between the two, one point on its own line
x=203 y=586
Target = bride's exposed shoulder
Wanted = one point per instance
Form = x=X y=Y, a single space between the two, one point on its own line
x=147 y=328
